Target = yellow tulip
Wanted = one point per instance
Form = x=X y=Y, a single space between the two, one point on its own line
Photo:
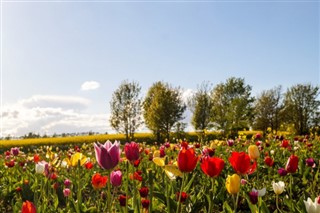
x=159 y=161
x=253 y=152
x=233 y=184
x=73 y=161
x=156 y=154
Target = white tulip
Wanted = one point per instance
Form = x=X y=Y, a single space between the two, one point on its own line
x=312 y=207
x=278 y=187
x=41 y=167
x=261 y=192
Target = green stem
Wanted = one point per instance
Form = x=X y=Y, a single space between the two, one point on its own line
x=235 y=202
x=277 y=202
x=168 y=194
x=291 y=184
x=211 y=194
x=151 y=188
x=178 y=207
x=127 y=185
x=109 y=194
x=79 y=197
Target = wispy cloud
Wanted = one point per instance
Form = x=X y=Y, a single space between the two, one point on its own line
x=90 y=85
x=55 y=101
x=51 y=114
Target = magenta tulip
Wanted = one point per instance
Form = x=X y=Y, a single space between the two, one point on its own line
x=15 y=151
x=132 y=151
x=116 y=178
x=108 y=154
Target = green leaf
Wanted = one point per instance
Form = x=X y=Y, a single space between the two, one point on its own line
x=227 y=208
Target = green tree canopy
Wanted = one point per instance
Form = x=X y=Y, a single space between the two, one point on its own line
x=126 y=109
x=232 y=105
x=163 y=107
x=267 y=109
x=301 y=106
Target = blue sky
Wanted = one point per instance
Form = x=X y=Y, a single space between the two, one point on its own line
x=49 y=50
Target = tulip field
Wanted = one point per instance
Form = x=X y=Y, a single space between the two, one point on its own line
x=270 y=174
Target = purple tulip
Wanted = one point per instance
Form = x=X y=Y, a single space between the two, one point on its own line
x=132 y=151
x=254 y=196
x=230 y=142
x=116 y=178
x=108 y=154
x=67 y=183
x=15 y=151
x=282 y=172
x=310 y=162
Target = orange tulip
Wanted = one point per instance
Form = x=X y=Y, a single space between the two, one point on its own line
x=98 y=181
x=28 y=207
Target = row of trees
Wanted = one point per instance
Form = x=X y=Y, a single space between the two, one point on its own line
x=227 y=107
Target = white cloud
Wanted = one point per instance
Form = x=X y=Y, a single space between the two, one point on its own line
x=90 y=85
x=51 y=114
x=186 y=94
x=55 y=101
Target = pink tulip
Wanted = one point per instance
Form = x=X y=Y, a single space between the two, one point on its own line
x=132 y=151
x=116 y=178
x=66 y=192
x=108 y=154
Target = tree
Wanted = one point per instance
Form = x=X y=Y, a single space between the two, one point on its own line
x=232 y=105
x=200 y=104
x=301 y=106
x=126 y=109
x=267 y=110
x=163 y=108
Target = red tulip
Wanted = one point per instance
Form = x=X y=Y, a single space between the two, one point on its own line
x=240 y=162
x=183 y=197
x=122 y=200
x=187 y=159
x=28 y=207
x=268 y=160
x=99 y=181
x=145 y=203
x=132 y=151
x=292 y=164
x=144 y=191
x=212 y=166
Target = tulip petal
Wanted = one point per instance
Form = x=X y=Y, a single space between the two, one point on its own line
x=158 y=161
x=105 y=159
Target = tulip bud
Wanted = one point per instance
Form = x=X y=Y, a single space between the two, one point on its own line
x=253 y=152
x=15 y=151
x=312 y=207
x=116 y=178
x=42 y=167
x=67 y=183
x=66 y=192
x=278 y=188
x=145 y=203
x=282 y=172
x=233 y=184
x=292 y=164
x=243 y=182
x=310 y=162
x=132 y=151
x=28 y=206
